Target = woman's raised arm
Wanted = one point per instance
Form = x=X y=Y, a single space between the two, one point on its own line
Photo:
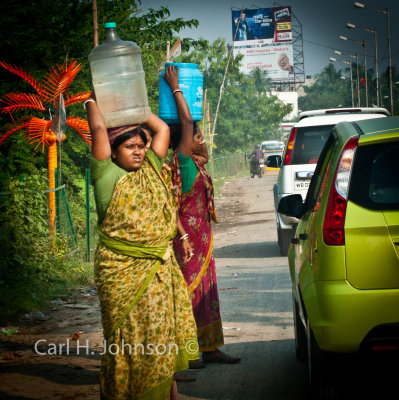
x=171 y=76
x=161 y=135
x=101 y=148
x=202 y=150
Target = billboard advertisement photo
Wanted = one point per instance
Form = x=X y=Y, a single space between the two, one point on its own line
x=264 y=38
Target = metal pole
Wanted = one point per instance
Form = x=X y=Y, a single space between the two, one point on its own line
x=376 y=67
x=211 y=157
x=87 y=215
x=390 y=61
x=203 y=126
x=57 y=202
x=365 y=73
x=357 y=80
x=167 y=51
x=95 y=23
x=350 y=65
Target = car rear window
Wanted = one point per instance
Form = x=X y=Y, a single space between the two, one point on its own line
x=273 y=148
x=375 y=178
x=309 y=142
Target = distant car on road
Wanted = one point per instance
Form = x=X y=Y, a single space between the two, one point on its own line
x=304 y=145
x=272 y=145
x=270 y=163
x=344 y=258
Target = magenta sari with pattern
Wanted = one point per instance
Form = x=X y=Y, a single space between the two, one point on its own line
x=196 y=210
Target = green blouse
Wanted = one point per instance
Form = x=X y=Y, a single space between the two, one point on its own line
x=188 y=171
x=104 y=176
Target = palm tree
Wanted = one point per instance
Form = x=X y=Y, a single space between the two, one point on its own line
x=49 y=93
x=261 y=80
x=329 y=75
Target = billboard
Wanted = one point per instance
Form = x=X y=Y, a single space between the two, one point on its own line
x=264 y=37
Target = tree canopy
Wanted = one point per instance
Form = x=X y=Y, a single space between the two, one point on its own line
x=37 y=35
x=330 y=90
x=249 y=113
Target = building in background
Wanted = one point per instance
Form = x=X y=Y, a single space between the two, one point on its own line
x=309 y=81
x=290 y=98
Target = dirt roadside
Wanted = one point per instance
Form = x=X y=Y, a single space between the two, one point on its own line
x=32 y=364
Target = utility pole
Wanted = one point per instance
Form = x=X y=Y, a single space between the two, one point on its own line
x=365 y=73
x=385 y=11
x=224 y=77
x=390 y=60
x=95 y=24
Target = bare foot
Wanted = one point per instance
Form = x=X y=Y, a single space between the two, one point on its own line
x=173 y=395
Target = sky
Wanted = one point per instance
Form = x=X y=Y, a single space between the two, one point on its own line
x=323 y=21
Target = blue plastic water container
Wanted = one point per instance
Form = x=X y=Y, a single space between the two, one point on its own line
x=191 y=82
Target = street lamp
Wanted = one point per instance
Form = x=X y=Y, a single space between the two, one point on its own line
x=384 y=97
x=343 y=77
x=386 y=12
x=355 y=56
x=362 y=43
x=374 y=31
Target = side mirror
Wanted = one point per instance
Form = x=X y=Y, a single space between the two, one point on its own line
x=274 y=161
x=291 y=205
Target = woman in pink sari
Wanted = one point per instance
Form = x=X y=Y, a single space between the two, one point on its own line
x=194 y=193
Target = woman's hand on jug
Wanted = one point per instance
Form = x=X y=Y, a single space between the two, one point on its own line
x=171 y=76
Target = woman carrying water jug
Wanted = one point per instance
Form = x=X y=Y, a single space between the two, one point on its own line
x=149 y=328
x=194 y=193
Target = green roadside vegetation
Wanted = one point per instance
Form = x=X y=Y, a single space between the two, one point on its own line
x=224 y=168
x=332 y=88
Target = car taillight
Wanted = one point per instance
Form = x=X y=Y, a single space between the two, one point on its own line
x=290 y=147
x=334 y=218
x=392 y=347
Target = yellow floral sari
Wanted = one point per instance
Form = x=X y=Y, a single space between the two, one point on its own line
x=149 y=328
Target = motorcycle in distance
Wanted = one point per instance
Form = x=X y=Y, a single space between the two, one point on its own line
x=255 y=167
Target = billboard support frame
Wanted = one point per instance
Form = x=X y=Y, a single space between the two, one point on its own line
x=298 y=62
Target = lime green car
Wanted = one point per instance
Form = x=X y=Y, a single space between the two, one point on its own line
x=344 y=258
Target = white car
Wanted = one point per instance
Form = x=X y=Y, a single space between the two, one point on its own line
x=302 y=152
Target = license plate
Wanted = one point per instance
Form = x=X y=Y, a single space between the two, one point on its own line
x=301 y=184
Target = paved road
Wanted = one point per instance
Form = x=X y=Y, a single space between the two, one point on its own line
x=255 y=295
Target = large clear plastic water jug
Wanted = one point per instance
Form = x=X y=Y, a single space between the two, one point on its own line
x=191 y=83
x=118 y=80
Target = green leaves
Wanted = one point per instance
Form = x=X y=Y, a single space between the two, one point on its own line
x=28 y=257
x=248 y=112
x=328 y=91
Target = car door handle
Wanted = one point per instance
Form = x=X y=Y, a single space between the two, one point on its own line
x=295 y=241
x=303 y=236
